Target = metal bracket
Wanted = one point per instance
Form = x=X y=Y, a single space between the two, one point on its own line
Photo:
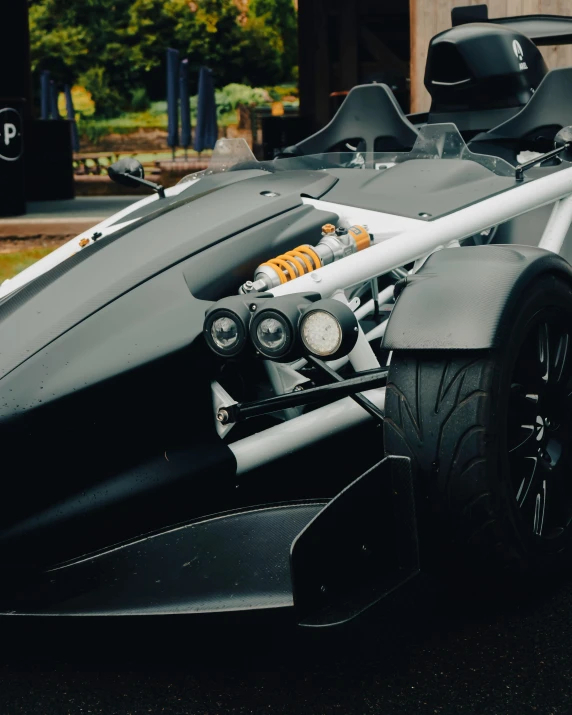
x=285 y=379
x=221 y=398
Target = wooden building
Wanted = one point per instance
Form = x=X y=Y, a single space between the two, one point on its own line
x=349 y=42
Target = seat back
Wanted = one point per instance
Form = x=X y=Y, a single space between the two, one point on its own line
x=550 y=106
x=370 y=114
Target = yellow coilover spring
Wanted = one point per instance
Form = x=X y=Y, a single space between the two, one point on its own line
x=295 y=263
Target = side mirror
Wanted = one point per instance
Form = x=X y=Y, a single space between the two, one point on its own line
x=563 y=138
x=129 y=172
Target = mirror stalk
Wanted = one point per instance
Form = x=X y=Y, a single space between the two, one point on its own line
x=151 y=184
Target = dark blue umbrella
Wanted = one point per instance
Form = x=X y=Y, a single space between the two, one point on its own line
x=45 y=94
x=70 y=111
x=54 y=101
x=172 y=99
x=206 y=132
x=185 y=105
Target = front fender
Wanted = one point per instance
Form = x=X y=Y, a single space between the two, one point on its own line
x=462 y=299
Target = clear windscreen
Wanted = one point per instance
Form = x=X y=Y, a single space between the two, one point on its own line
x=435 y=142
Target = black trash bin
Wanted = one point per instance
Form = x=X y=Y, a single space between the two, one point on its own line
x=12 y=193
x=280 y=132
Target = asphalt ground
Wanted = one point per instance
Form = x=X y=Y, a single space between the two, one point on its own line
x=424 y=651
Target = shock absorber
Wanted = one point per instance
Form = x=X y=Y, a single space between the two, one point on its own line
x=336 y=243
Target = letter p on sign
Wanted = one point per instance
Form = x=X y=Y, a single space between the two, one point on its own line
x=9 y=133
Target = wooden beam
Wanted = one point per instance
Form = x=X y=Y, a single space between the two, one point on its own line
x=322 y=62
x=306 y=58
x=348 y=45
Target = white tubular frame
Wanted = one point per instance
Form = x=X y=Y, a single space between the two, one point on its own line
x=557 y=226
x=417 y=240
x=288 y=437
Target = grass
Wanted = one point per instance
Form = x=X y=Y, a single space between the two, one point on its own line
x=13 y=263
x=130 y=122
x=149 y=157
x=156 y=117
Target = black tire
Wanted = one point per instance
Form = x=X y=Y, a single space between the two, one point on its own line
x=489 y=498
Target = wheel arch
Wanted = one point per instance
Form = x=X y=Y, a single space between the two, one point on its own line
x=464 y=299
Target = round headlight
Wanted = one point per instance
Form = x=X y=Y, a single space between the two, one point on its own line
x=226 y=332
x=329 y=329
x=321 y=333
x=272 y=334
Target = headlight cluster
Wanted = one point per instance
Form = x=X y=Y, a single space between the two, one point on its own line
x=281 y=328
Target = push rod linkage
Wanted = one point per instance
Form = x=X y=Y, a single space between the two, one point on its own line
x=366 y=380
x=362 y=400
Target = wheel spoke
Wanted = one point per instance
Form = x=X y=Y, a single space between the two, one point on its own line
x=523 y=405
x=522 y=424
x=524 y=471
x=559 y=369
x=539 y=510
x=522 y=440
x=530 y=369
x=544 y=352
x=544 y=500
x=532 y=494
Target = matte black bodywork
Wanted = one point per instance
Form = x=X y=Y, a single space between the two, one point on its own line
x=112 y=464
x=418 y=187
x=478 y=66
x=462 y=300
x=99 y=399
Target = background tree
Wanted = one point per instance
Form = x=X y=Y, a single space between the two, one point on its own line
x=281 y=16
x=116 y=48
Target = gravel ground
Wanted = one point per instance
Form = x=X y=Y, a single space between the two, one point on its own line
x=435 y=653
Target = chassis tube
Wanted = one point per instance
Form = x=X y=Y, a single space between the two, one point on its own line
x=290 y=436
x=415 y=243
x=557 y=226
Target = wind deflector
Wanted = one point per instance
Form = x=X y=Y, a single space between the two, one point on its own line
x=541 y=29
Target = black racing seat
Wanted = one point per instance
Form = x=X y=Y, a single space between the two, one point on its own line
x=369 y=117
x=535 y=125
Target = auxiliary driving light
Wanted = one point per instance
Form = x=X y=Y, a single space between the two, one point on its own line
x=274 y=333
x=226 y=329
x=329 y=329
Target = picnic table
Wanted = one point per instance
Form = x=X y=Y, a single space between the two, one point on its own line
x=93 y=162
x=97 y=163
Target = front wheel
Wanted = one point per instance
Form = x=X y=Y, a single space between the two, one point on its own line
x=490 y=438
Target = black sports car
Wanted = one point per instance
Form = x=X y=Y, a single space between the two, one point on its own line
x=271 y=385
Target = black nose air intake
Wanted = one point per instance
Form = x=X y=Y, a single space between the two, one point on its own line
x=480 y=66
